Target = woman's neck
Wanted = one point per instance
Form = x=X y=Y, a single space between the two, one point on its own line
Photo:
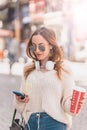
x=43 y=63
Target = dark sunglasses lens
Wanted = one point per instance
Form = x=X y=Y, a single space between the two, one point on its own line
x=32 y=48
x=41 y=48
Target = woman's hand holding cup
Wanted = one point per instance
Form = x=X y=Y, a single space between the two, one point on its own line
x=77 y=100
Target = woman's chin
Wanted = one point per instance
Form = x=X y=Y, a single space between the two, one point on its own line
x=39 y=58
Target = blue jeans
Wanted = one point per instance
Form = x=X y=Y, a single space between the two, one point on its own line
x=42 y=121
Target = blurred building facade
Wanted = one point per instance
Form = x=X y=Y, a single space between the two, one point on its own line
x=24 y=16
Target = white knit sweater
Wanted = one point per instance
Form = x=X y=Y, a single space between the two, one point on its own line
x=48 y=94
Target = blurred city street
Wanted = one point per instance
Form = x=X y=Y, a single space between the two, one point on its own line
x=18 y=20
x=9 y=82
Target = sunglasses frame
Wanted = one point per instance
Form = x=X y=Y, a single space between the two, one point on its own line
x=40 y=47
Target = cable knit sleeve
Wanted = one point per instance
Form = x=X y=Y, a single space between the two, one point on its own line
x=68 y=83
x=19 y=105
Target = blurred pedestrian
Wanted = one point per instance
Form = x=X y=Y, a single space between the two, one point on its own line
x=14 y=48
x=23 y=49
x=47 y=84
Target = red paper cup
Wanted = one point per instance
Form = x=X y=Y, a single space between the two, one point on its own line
x=78 y=96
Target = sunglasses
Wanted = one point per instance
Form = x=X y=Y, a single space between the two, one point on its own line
x=34 y=48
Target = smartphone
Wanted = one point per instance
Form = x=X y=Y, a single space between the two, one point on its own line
x=19 y=94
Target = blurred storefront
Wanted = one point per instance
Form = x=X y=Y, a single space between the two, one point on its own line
x=53 y=17
x=46 y=13
x=37 y=10
x=66 y=17
x=75 y=28
x=13 y=18
x=25 y=16
x=54 y=20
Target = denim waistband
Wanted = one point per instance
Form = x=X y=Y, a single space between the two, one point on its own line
x=37 y=115
x=41 y=114
x=42 y=120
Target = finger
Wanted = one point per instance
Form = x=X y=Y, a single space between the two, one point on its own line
x=18 y=97
x=26 y=96
x=80 y=102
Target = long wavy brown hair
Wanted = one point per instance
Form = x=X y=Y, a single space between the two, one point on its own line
x=56 y=52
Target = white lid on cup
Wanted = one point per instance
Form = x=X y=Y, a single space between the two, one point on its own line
x=80 y=89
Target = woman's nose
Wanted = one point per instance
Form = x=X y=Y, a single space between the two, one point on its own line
x=37 y=49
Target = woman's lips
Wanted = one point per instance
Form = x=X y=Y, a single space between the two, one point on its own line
x=38 y=55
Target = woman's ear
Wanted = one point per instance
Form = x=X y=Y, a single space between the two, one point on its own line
x=51 y=47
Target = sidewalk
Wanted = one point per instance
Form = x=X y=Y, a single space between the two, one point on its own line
x=16 y=68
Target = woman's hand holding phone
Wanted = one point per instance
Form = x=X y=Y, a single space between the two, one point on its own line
x=24 y=100
x=21 y=97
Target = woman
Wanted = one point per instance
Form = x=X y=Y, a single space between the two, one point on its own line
x=47 y=83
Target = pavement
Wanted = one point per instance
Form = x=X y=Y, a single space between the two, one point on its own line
x=7 y=84
x=15 y=69
x=12 y=81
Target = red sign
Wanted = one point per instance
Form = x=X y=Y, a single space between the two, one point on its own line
x=40 y=5
x=37 y=9
x=37 y=5
x=4 y=33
